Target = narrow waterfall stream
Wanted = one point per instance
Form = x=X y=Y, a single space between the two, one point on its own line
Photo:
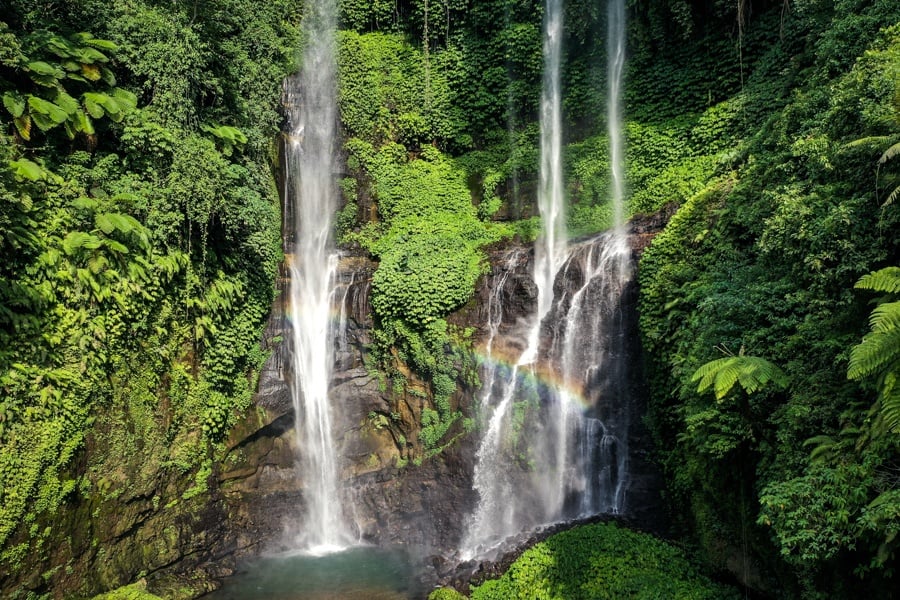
x=310 y=188
x=615 y=58
x=555 y=428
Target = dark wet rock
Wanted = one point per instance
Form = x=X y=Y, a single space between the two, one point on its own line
x=642 y=228
x=396 y=501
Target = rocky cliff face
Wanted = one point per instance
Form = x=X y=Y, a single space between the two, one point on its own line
x=395 y=500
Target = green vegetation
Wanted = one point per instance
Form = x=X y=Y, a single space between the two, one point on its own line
x=428 y=235
x=794 y=469
x=139 y=229
x=139 y=235
x=137 y=591
x=601 y=561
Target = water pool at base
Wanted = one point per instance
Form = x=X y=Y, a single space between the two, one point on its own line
x=362 y=573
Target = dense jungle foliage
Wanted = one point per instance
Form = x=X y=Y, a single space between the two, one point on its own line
x=140 y=243
x=792 y=475
x=139 y=235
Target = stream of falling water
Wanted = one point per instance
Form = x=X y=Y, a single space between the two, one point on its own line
x=573 y=461
x=309 y=154
x=615 y=57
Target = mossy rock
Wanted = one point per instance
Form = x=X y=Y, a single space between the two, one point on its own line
x=446 y=594
x=135 y=591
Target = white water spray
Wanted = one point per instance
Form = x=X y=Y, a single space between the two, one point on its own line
x=551 y=243
x=495 y=517
x=576 y=463
x=309 y=169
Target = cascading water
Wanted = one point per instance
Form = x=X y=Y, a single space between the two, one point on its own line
x=570 y=458
x=615 y=57
x=309 y=157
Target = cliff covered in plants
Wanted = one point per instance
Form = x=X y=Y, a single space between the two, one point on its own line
x=141 y=240
x=784 y=468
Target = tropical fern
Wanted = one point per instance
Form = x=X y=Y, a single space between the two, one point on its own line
x=878 y=354
x=885 y=280
x=751 y=372
x=890 y=153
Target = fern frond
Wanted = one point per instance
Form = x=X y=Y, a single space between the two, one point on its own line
x=890 y=153
x=751 y=372
x=891 y=197
x=819 y=440
x=824 y=447
x=890 y=401
x=725 y=379
x=883 y=280
x=885 y=317
x=872 y=139
x=706 y=374
x=875 y=351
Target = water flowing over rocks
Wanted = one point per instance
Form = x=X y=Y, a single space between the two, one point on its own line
x=421 y=506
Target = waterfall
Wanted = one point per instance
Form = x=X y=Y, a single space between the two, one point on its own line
x=309 y=178
x=615 y=58
x=551 y=242
x=555 y=444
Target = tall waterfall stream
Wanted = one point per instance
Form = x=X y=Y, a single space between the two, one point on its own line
x=311 y=98
x=572 y=461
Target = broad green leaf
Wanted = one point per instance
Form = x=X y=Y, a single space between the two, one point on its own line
x=43 y=73
x=66 y=102
x=77 y=240
x=14 y=103
x=102 y=44
x=103 y=222
x=90 y=72
x=83 y=123
x=23 y=126
x=42 y=68
x=116 y=246
x=43 y=122
x=107 y=76
x=90 y=55
x=44 y=107
x=87 y=39
x=59 y=46
x=92 y=107
x=126 y=99
x=85 y=203
x=25 y=169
